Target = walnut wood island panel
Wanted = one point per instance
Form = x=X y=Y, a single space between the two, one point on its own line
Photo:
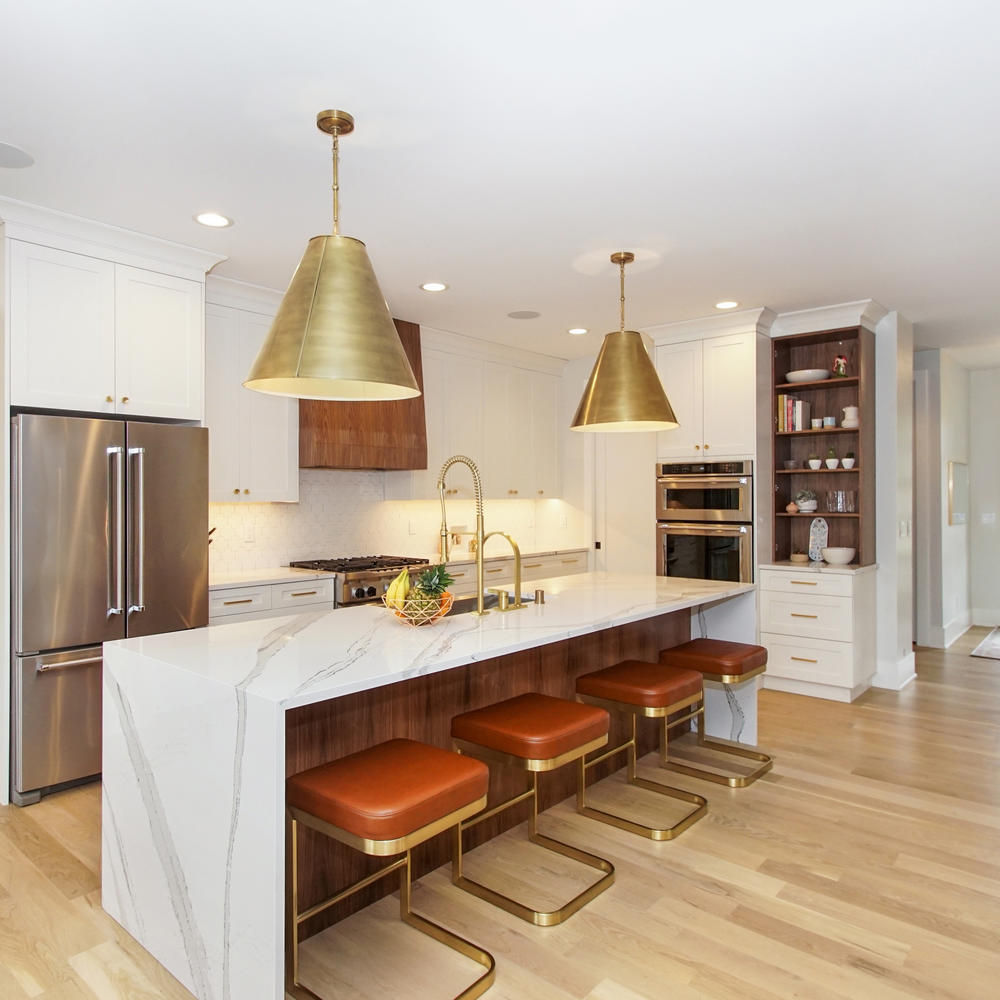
x=202 y=727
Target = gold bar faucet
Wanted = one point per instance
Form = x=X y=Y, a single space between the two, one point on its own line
x=477 y=486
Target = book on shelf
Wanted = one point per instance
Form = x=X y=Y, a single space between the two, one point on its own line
x=793 y=413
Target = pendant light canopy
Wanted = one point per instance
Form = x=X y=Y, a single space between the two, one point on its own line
x=624 y=392
x=333 y=336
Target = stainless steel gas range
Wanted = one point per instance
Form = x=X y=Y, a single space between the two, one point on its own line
x=362 y=579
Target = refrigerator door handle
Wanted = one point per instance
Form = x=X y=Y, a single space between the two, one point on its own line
x=139 y=513
x=116 y=493
x=43 y=668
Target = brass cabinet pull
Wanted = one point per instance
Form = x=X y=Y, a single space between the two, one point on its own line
x=795 y=614
x=512 y=492
x=304 y=593
x=236 y=491
x=706 y=447
x=532 y=565
x=246 y=491
x=500 y=570
x=457 y=574
x=246 y=600
x=568 y=562
x=109 y=399
x=124 y=399
x=803 y=659
x=697 y=447
x=541 y=492
x=805 y=583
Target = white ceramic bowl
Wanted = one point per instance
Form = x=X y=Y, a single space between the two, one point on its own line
x=838 y=556
x=807 y=375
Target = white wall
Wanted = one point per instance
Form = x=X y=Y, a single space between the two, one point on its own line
x=984 y=492
x=894 y=501
x=943 y=437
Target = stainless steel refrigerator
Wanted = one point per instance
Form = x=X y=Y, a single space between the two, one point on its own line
x=109 y=539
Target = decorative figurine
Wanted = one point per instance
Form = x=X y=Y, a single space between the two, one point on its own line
x=840 y=366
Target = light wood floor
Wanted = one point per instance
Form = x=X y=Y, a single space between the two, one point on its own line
x=866 y=865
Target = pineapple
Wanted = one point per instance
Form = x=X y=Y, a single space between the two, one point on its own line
x=424 y=597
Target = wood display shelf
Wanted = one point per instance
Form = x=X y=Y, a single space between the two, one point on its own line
x=828 y=398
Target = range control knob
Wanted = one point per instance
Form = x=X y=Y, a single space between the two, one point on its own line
x=359 y=593
x=370 y=592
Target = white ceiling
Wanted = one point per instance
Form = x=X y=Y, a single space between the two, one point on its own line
x=778 y=153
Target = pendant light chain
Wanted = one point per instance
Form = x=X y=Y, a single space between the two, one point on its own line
x=336 y=181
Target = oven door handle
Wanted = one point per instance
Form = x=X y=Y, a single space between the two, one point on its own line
x=701 y=482
x=691 y=528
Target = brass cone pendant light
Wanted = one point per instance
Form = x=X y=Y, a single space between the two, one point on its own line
x=333 y=336
x=624 y=392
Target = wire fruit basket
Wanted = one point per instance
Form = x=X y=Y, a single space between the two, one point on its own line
x=422 y=616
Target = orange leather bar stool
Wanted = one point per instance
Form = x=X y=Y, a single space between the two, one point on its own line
x=383 y=801
x=635 y=688
x=728 y=663
x=537 y=733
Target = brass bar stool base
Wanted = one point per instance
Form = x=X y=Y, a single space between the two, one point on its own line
x=440 y=934
x=623 y=822
x=765 y=761
x=540 y=918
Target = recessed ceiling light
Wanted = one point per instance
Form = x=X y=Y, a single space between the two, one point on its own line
x=14 y=157
x=577 y=331
x=524 y=314
x=726 y=305
x=434 y=286
x=213 y=219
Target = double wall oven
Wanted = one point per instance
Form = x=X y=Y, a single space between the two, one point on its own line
x=704 y=520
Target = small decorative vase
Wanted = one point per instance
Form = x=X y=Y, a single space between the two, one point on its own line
x=849 y=463
x=815 y=463
x=832 y=463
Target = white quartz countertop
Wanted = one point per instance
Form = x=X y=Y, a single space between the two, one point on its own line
x=307 y=658
x=262 y=577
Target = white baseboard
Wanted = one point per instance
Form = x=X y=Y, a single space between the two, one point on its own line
x=956 y=628
x=895 y=676
x=808 y=688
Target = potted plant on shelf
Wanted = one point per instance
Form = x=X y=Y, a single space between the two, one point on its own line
x=831 y=459
x=849 y=460
x=805 y=500
x=814 y=462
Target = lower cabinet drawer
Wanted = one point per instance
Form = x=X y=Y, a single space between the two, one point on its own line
x=812 y=617
x=238 y=601
x=294 y=595
x=817 y=660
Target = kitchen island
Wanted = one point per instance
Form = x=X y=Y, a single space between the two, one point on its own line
x=202 y=727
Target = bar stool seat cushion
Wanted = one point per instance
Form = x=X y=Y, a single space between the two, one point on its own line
x=715 y=656
x=636 y=682
x=389 y=790
x=532 y=726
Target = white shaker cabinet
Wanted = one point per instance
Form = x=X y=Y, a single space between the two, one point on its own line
x=94 y=335
x=253 y=437
x=711 y=384
x=818 y=624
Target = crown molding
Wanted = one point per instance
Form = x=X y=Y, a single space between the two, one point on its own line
x=241 y=295
x=865 y=312
x=484 y=350
x=720 y=325
x=46 y=227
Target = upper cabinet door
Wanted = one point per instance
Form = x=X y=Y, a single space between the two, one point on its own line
x=159 y=364
x=680 y=369
x=62 y=329
x=269 y=426
x=222 y=401
x=729 y=396
x=545 y=434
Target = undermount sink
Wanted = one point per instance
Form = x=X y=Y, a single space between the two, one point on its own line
x=466 y=604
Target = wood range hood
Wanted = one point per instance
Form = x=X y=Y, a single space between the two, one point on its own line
x=367 y=435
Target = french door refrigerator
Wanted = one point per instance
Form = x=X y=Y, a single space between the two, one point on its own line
x=109 y=539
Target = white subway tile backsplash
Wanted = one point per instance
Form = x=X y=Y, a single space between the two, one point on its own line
x=344 y=513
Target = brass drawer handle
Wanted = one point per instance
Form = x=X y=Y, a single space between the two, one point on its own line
x=805 y=583
x=304 y=593
x=532 y=565
x=500 y=570
x=803 y=659
x=458 y=574
x=246 y=600
x=569 y=562
x=795 y=614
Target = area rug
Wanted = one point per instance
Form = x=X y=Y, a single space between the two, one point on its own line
x=990 y=646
